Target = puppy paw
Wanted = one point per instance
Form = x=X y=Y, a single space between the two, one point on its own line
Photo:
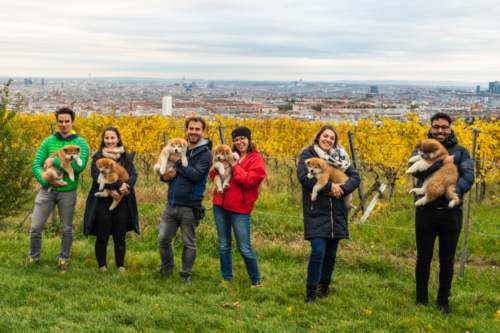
x=420 y=202
x=219 y=191
x=452 y=204
x=72 y=177
x=310 y=176
x=63 y=183
x=412 y=191
x=313 y=198
x=226 y=186
x=98 y=194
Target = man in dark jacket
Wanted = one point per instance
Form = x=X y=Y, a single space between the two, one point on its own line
x=185 y=194
x=435 y=219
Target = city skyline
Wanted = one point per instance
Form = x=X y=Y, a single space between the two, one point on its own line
x=223 y=40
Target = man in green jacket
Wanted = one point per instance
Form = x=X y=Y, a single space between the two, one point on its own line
x=62 y=195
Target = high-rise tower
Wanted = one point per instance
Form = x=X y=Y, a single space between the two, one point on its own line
x=166 y=106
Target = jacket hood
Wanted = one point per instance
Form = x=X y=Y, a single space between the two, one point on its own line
x=202 y=145
x=452 y=139
x=68 y=138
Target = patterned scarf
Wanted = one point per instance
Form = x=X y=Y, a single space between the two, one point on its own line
x=113 y=153
x=337 y=157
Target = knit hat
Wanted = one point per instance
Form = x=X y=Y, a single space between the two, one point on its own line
x=241 y=131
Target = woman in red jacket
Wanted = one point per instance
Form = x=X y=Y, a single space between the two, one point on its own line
x=233 y=207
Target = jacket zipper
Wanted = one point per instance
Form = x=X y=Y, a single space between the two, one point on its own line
x=223 y=197
x=243 y=193
x=331 y=214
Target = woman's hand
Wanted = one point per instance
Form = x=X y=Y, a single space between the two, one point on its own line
x=230 y=159
x=336 y=191
x=124 y=188
x=114 y=194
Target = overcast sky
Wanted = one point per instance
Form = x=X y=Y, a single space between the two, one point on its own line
x=252 y=40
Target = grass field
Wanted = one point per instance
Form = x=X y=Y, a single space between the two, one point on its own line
x=373 y=282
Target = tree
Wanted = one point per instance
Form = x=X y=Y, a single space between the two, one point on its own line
x=317 y=107
x=16 y=177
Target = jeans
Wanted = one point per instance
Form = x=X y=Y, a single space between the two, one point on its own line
x=224 y=221
x=171 y=219
x=111 y=222
x=322 y=259
x=429 y=224
x=44 y=205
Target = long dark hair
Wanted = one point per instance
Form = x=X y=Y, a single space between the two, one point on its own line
x=251 y=146
x=125 y=160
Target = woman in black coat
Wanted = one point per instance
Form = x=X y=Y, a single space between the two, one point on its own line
x=325 y=220
x=98 y=219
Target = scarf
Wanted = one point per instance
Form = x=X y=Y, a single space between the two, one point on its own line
x=113 y=153
x=337 y=157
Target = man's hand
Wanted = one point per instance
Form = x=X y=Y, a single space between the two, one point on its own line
x=47 y=164
x=449 y=160
x=56 y=182
x=124 y=188
x=169 y=174
x=115 y=194
x=172 y=157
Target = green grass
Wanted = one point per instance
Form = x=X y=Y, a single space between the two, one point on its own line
x=374 y=272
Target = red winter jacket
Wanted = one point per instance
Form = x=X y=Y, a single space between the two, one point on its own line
x=243 y=189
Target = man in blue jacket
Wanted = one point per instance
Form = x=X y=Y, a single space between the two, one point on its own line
x=435 y=219
x=185 y=193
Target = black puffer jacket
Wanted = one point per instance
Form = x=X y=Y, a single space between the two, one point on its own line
x=328 y=218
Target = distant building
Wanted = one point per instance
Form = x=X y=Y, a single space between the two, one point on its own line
x=374 y=90
x=211 y=85
x=494 y=87
x=42 y=82
x=26 y=82
x=30 y=81
x=62 y=85
x=478 y=89
x=166 y=106
x=295 y=83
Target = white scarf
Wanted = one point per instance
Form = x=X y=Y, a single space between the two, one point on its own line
x=113 y=153
x=337 y=157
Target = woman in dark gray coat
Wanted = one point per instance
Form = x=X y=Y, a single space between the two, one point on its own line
x=325 y=220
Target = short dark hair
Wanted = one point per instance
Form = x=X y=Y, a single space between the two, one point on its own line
x=65 y=111
x=441 y=115
x=196 y=119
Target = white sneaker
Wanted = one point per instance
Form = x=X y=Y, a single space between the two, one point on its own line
x=122 y=269
x=103 y=268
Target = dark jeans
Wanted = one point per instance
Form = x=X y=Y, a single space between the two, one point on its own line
x=111 y=222
x=225 y=220
x=445 y=224
x=322 y=259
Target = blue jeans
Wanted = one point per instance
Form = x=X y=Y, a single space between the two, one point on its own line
x=322 y=259
x=224 y=220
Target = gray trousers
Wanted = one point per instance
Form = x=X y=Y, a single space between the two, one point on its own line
x=44 y=204
x=172 y=218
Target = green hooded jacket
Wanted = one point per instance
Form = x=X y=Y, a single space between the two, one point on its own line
x=49 y=146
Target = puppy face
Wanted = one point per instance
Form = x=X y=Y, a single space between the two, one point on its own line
x=221 y=152
x=71 y=152
x=105 y=165
x=315 y=166
x=177 y=146
x=431 y=149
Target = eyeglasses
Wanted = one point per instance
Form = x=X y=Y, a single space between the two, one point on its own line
x=239 y=139
x=436 y=127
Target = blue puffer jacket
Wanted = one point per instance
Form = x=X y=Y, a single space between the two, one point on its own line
x=188 y=187
x=464 y=165
x=93 y=201
x=328 y=218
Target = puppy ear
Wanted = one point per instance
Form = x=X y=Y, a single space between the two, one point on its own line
x=307 y=162
x=419 y=144
x=77 y=149
x=322 y=164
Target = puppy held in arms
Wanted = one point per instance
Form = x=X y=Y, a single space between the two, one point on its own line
x=322 y=171
x=110 y=172
x=177 y=147
x=442 y=182
x=220 y=153
x=66 y=154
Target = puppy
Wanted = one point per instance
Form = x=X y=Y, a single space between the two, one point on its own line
x=323 y=172
x=178 y=147
x=66 y=154
x=110 y=172
x=442 y=182
x=221 y=152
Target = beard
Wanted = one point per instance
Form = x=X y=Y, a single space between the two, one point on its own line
x=194 y=140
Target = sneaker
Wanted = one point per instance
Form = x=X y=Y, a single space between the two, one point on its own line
x=63 y=265
x=167 y=272
x=31 y=262
x=444 y=308
x=225 y=281
x=122 y=269
x=103 y=268
x=187 y=280
x=256 y=285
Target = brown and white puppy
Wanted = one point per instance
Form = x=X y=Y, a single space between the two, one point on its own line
x=110 y=172
x=220 y=153
x=177 y=147
x=323 y=171
x=66 y=154
x=442 y=182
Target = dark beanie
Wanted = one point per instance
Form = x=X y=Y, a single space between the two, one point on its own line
x=241 y=131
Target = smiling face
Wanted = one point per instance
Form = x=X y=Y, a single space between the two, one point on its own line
x=326 y=140
x=440 y=130
x=110 y=139
x=64 y=123
x=241 y=143
x=195 y=132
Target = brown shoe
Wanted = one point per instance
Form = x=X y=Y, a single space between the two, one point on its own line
x=63 y=265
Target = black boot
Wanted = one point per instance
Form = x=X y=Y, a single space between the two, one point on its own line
x=311 y=293
x=323 y=287
x=443 y=307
